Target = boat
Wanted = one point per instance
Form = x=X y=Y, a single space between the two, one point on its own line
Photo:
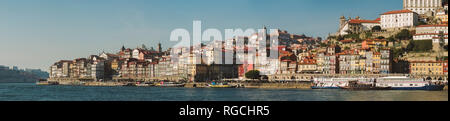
x=330 y=83
x=325 y=85
x=221 y=85
x=169 y=84
x=129 y=85
x=143 y=84
x=406 y=83
x=356 y=85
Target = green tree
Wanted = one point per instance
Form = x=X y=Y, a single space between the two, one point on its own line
x=253 y=74
x=347 y=48
x=380 y=37
x=404 y=35
x=420 y=46
x=376 y=28
x=422 y=23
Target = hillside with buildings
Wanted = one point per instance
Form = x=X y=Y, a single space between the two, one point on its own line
x=15 y=75
x=410 y=41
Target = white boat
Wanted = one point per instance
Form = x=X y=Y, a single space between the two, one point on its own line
x=406 y=83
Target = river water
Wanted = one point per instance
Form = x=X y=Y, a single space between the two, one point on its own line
x=33 y=92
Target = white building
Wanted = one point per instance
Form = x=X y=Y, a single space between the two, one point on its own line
x=429 y=32
x=427 y=36
x=399 y=19
x=97 y=69
x=422 y=6
x=356 y=25
x=424 y=29
x=437 y=39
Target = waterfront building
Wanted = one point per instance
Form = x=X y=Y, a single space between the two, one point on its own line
x=98 y=69
x=80 y=68
x=376 y=63
x=427 y=67
x=399 y=19
x=320 y=62
x=288 y=63
x=307 y=66
x=386 y=61
x=60 y=69
x=422 y=6
x=349 y=62
x=331 y=65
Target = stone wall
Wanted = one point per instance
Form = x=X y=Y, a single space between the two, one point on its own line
x=290 y=85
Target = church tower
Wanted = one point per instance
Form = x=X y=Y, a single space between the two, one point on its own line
x=123 y=48
x=159 y=47
x=342 y=21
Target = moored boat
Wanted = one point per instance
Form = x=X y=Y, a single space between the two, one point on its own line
x=169 y=84
x=356 y=85
x=221 y=85
x=405 y=83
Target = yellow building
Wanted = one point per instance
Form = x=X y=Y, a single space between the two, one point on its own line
x=427 y=67
x=441 y=15
x=376 y=63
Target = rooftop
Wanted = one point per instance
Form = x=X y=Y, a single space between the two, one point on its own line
x=397 y=12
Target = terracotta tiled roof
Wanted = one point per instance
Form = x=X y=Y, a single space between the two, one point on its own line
x=347 y=41
x=430 y=34
x=377 y=40
x=439 y=37
x=397 y=12
x=427 y=61
x=440 y=25
x=358 y=21
x=378 y=19
x=308 y=61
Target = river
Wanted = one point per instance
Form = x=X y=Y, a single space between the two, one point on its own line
x=33 y=92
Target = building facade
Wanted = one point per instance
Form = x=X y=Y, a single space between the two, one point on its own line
x=399 y=19
x=422 y=6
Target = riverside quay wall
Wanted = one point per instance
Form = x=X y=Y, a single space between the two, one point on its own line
x=285 y=85
x=262 y=85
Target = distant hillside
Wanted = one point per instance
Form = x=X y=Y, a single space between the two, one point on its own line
x=21 y=76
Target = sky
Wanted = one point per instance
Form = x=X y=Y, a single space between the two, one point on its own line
x=37 y=33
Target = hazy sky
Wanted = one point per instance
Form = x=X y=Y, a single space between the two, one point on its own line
x=37 y=33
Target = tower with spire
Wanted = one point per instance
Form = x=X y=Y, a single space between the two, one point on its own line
x=159 y=48
x=123 y=48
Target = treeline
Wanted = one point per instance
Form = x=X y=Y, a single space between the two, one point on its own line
x=21 y=76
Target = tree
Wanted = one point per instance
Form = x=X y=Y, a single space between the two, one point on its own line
x=422 y=23
x=253 y=74
x=391 y=39
x=420 y=46
x=376 y=28
x=347 y=48
x=404 y=35
x=380 y=37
